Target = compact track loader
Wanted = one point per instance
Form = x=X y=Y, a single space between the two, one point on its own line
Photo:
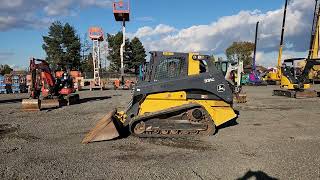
x=182 y=94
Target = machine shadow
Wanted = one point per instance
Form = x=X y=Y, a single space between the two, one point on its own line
x=258 y=175
x=11 y=101
x=100 y=98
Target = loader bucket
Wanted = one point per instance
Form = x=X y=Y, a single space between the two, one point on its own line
x=104 y=130
x=31 y=105
x=49 y=103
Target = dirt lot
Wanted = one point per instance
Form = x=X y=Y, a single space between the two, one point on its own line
x=273 y=138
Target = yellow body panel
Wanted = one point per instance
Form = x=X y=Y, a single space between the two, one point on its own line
x=314 y=52
x=194 y=66
x=219 y=111
x=285 y=83
x=306 y=86
x=273 y=76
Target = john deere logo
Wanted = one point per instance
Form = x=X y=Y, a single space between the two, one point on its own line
x=221 y=88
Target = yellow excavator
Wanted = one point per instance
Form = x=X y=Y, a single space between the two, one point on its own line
x=295 y=77
x=274 y=77
x=181 y=94
x=295 y=81
x=314 y=73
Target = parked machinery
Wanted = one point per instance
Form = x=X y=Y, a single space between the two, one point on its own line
x=182 y=94
x=2 y=85
x=74 y=75
x=274 y=77
x=15 y=86
x=45 y=90
x=295 y=81
x=233 y=73
x=23 y=83
x=8 y=83
x=255 y=78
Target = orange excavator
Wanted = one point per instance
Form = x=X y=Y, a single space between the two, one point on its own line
x=45 y=90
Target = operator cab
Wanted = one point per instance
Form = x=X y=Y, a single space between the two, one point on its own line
x=292 y=70
x=172 y=65
x=222 y=66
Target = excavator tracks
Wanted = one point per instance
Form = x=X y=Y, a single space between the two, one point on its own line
x=183 y=121
x=295 y=94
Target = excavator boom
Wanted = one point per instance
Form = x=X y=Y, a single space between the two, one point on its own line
x=314 y=43
x=281 y=40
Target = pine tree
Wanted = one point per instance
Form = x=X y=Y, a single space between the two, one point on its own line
x=52 y=44
x=134 y=54
x=114 y=42
x=72 y=45
x=138 y=54
x=62 y=46
x=87 y=63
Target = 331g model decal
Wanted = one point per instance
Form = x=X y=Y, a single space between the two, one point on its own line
x=209 y=80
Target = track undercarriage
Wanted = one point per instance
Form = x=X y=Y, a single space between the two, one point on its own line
x=175 y=122
x=295 y=93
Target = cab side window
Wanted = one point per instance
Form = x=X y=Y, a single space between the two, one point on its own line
x=170 y=68
x=203 y=66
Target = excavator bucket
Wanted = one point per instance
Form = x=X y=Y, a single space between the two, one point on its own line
x=306 y=94
x=31 y=104
x=240 y=98
x=49 y=103
x=104 y=130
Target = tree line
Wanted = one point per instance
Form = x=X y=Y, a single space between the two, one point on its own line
x=5 y=69
x=64 y=50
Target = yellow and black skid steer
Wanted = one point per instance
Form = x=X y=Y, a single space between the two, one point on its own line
x=181 y=94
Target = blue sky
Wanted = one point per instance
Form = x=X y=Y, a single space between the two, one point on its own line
x=209 y=26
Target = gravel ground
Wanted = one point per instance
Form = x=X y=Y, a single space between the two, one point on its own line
x=274 y=137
